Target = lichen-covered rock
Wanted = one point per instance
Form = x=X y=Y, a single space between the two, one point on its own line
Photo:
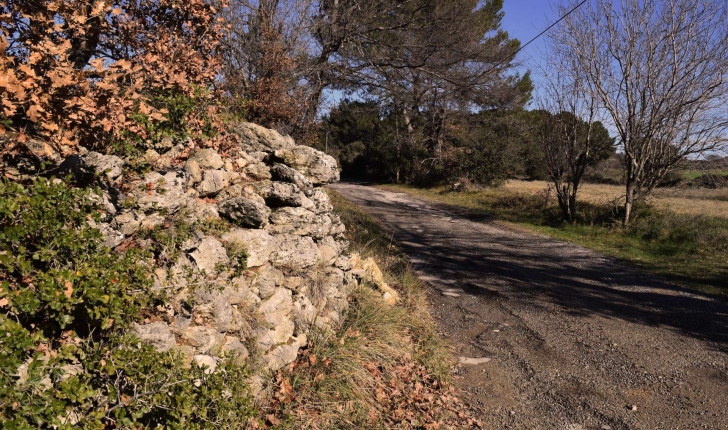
x=266 y=281
x=152 y=220
x=294 y=252
x=214 y=307
x=156 y=334
x=299 y=221
x=108 y=165
x=112 y=237
x=256 y=138
x=370 y=272
x=280 y=194
x=209 y=254
x=198 y=210
x=206 y=362
x=316 y=166
x=284 y=354
x=258 y=243
x=203 y=338
x=159 y=192
x=212 y=183
x=321 y=201
x=283 y=173
x=343 y=263
x=169 y=158
x=208 y=158
x=259 y=171
x=245 y=212
x=234 y=348
x=128 y=222
x=194 y=170
x=337 y=227
x=329 y=250
x=275 y=312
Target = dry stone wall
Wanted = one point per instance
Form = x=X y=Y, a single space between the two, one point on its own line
x=296 y=276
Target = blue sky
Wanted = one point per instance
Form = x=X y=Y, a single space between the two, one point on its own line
x=524 y=19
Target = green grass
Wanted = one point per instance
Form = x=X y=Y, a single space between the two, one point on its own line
x=695 y=174
x=690 y=250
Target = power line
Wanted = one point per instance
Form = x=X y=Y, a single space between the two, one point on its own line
x=537 y=36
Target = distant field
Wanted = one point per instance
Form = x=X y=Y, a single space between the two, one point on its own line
x=695 y=174
x=688 y=201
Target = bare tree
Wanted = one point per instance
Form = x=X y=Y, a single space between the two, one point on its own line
x=266 y=50
x=659 y=69
x=566 y=138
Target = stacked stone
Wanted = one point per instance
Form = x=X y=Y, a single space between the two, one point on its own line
x=297 y=276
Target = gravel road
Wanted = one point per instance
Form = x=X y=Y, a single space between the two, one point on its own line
x=575 y=340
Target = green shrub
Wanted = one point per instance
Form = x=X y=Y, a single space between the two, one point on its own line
x=66 y=302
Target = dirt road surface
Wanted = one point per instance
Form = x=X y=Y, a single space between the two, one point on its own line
x=574 y=339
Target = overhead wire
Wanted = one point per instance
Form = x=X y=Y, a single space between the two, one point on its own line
x=511 y=56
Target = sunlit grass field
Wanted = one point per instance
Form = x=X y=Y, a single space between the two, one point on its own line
x=688 y=201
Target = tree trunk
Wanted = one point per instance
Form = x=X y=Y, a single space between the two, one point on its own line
x=562 y=195
x=572 y=206
x=628 y=203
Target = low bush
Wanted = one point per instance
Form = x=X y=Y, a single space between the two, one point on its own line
x=66 y=304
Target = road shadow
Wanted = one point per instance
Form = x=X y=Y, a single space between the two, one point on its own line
x=538 y=270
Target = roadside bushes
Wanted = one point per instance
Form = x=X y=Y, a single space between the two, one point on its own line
x=66 y=301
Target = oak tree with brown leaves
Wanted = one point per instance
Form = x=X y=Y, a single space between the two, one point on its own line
x=81 y=72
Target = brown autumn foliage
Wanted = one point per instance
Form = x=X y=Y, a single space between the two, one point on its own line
x=86 y=72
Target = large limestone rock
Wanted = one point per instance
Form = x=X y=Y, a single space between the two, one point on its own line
x=295 y=252
x=108 y=165
x=284 y=354
x=259 y=171
x=275 y=311
x=267 y=281
x=212 y=183
x=208 y=158
x=259 y=244
x=316 y=166
x=210 y=253
x=159 y=192
x=156 y=334
x=203 y=338
x=283 y=173
x=256 y=138
x=193 y=170
x=245 y=211
x=280 y=194
x=128 y=222
x=299 y=221
x=369 y=272
x=321 y=201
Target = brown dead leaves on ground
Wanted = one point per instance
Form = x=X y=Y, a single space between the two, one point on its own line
x=367 y=377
